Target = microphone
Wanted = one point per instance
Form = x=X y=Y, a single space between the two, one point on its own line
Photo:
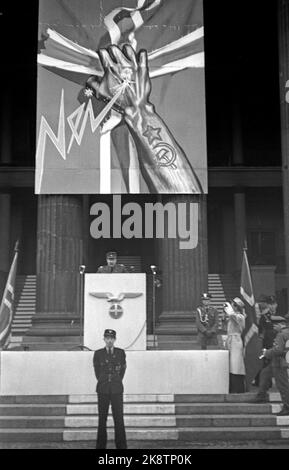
x=82 y=269
x=154 y=269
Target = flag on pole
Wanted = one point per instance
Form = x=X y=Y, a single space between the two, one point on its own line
x=252 y=343
x=7 y=304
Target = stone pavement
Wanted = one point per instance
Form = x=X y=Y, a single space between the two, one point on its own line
x=284 y=444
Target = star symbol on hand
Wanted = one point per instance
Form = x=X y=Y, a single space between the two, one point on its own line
x=88 y=92
x=152 y=133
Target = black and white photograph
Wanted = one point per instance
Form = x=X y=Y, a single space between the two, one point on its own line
x=144 y=227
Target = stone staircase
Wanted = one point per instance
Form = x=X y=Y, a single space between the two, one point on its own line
x=200 y=418
x=25 y=307
x=177 y=330
x=222 y=287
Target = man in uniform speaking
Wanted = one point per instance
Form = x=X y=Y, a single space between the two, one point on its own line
x=109 y=365
x=112 y=265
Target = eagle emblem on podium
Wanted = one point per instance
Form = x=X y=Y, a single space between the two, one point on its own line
x=115 y=310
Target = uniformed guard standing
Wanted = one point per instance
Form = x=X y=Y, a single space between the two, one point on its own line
x=268 y=308
x=277 y=367
x=207 y=319
x=109 y=366
x=112 y=265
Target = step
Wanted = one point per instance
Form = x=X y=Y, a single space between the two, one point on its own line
x=127 y=398
x=33 y=399
x=204 y=434
x=187 y=346
x=32 y=410
x=129 y=408
x=164 y=329
x=31 y=435
x=22 y=316
x=174 y=337
x=232 y=420
x=137 y=421
x=48 y=346
x=22 y=321
x=20 y=422
x=225 y=408
x=175 y=316
x=135 y=434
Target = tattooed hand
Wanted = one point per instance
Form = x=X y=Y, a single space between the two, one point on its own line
x=125 y=71
x=126 y=84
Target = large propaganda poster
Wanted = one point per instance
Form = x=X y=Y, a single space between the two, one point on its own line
x=121 y=97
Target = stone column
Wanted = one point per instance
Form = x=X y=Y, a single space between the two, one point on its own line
x=184 y=271
x=5 y=199
x=6 y=138
x=240 y=226
x=284 y=102
x=4 y=238
x=59 y=255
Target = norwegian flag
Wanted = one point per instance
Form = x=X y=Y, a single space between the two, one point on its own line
x=7 y=304
x=252 y=343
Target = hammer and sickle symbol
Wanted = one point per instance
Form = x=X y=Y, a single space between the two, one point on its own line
x=165 y=155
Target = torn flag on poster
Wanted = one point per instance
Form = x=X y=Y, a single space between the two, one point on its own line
x=83 y=145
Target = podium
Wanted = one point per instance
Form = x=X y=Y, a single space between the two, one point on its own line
x=118 y=302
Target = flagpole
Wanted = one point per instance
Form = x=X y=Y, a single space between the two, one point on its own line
x=16 y=248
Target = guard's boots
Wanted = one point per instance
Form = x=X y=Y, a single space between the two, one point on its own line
x=283 y=412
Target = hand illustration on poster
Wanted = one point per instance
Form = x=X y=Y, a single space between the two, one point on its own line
x=126 y=86
x=132 y=54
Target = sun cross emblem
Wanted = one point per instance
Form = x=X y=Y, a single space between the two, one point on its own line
x=115 y=310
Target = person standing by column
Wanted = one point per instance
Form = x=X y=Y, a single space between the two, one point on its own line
x=109 y=365
x=207 y=319
x=235 y=316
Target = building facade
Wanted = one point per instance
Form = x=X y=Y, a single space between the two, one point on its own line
x=247 y=137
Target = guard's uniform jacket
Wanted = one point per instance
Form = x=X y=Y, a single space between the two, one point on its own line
x=109 y=370
x=278 y=352
x=117 y=268
x=277 y=367
x=266 y=331
x=207 y=319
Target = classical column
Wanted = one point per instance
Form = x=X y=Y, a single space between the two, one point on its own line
x=240 y=225
x=6 y=137
x=284 y=102
x=59 y=255
x=184 y=271
x=4 y=238
x=5 y=199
